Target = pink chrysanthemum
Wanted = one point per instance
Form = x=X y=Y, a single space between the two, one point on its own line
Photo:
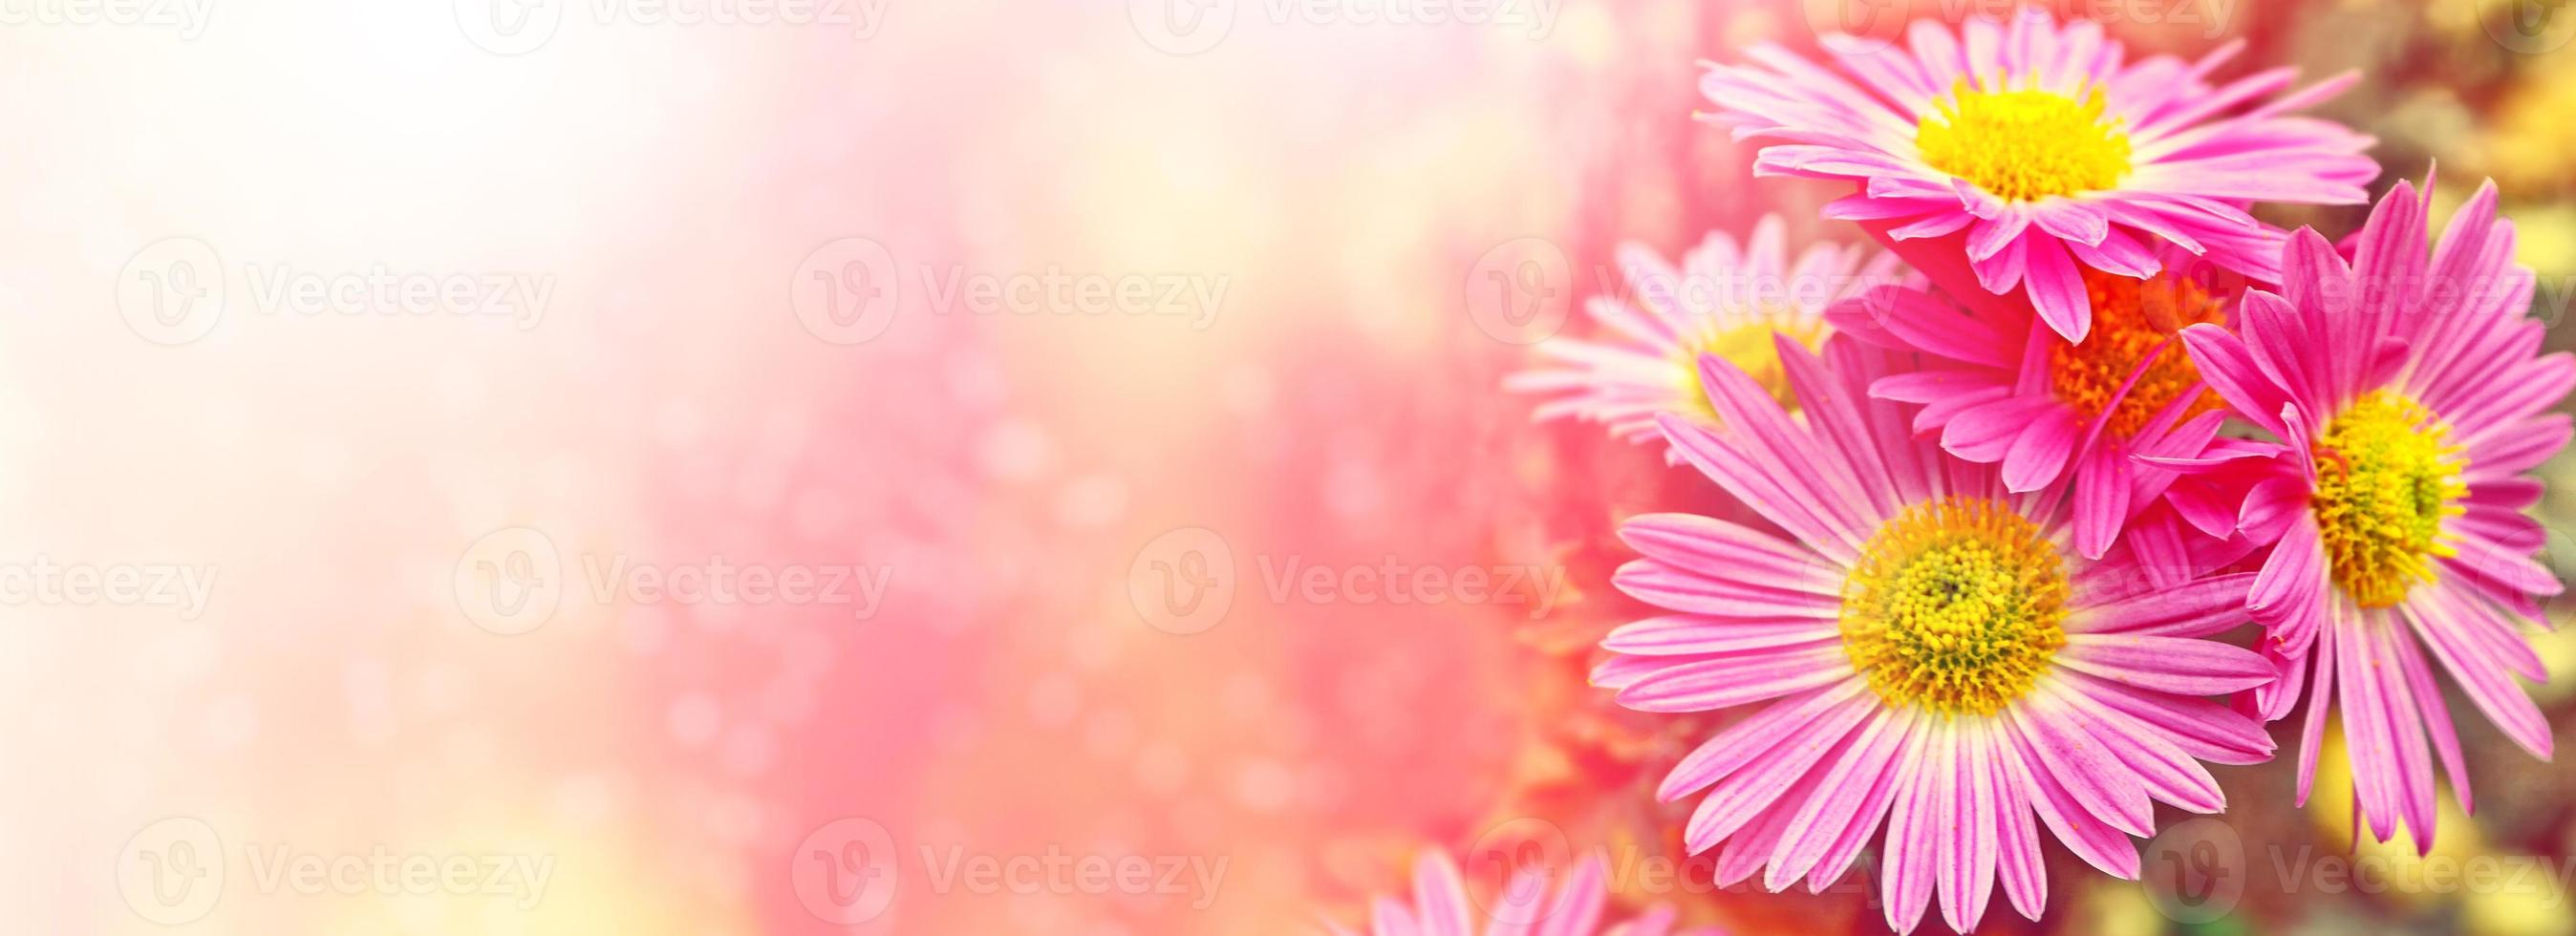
x=1525 y=907
x=2002 y=389
x=2022 y=152
x=1723 y=300
x=1932 y=654
x=2409 y=397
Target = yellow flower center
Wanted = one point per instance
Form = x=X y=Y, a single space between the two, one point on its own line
x=1750 y=347
x=1956 y=606
x=2385 y=479
x=2130 y=318
x=2025 y=145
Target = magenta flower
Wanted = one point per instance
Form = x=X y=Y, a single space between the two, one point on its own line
x=1723 y=300
x=1926 y=650
x=2020 y=153
x=1440 y=906
x=2001 y=389
x=2409 y=399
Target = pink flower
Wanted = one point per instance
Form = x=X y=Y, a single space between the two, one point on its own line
x=1925 y=650
x=1441 y=907
x=2001 y=389
x=2020 y=153
x=1722 y=300
x=2409 y=399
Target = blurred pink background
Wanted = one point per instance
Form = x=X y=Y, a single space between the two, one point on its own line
x=459 y=350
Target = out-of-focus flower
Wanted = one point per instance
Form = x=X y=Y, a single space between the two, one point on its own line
x=2005 y=390
x=2533 y=145
x=2021 y=153
x=1724 y=299
x=1930 y=650
x=2408 y=395
x=1526 y=907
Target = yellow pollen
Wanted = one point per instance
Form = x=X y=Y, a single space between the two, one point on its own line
x=1747 y=345
x=2130 y=318
x=2386 y=478
x=2025 y=145
x=1956 y=606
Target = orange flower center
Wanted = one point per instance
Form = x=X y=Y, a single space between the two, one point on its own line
x=2131 y=319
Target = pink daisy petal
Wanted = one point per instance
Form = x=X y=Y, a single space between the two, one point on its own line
x=2166 y=664
x=2068 y=819
x=1643 y=359
x=1860 y=776
x=2185 y=147
x=2397 y=355
x=2017 y=859
x=1439 y=897
x=2096 y=718
x=1914 y=818
x=2197 y=608
x=1737 y=745
x=2090 y=774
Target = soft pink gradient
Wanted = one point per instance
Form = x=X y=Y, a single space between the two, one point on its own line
x=677 y=187
x=668 y=408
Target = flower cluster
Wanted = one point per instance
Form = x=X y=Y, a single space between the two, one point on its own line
x=2075 y=479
